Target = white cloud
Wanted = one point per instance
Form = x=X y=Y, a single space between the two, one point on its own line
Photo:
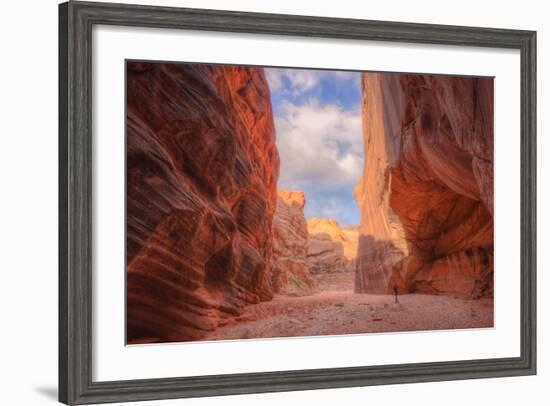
x=332 y=208
x=341 y=207
x=302 y=80
x=274 y=78
x=319 y=145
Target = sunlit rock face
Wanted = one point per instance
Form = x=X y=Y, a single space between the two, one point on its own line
x=331 y=248
x=426 y=194
x=202 y=168
x=290 y=269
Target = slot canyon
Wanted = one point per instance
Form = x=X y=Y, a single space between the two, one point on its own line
x=216 y=250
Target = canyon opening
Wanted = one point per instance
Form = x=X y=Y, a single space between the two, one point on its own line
x=272 y=203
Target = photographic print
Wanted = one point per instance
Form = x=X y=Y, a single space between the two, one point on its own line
x=267 y=202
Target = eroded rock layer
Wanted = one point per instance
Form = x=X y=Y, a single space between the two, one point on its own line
x=201 y=188
x=331 y=248
x=426 y=195
x=290 y=269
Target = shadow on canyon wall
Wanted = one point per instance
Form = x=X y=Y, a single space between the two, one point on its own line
x=375 y=266
x=381 y=265
x=325 y=254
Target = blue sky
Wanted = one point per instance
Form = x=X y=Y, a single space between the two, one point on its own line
x=318 y=123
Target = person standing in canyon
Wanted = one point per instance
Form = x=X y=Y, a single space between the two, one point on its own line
x=395 y=292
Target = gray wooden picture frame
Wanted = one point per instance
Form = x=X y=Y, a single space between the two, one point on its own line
x=76 y=20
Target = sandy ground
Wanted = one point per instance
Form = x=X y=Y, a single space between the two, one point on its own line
x=334 y=309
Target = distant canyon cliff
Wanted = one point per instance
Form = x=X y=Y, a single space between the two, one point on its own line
x=291 y=273
x=305 y=248
x=331 y=248
x=202 y=169
x=426 y=194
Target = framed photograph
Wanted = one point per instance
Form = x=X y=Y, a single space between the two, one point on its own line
x=258 y=202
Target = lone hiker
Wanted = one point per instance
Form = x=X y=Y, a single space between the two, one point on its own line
x=395 y=292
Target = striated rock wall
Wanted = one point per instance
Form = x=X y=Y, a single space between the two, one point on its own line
x=202 y=168
x=290 y=269
x=331 y=248
x=426 y=195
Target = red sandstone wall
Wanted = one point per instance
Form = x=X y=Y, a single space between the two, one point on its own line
x=426 y=196
x=201 y=189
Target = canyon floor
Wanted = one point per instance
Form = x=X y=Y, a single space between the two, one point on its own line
x=334 y=309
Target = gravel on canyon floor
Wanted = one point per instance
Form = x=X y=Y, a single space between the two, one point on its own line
x=336 y=310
